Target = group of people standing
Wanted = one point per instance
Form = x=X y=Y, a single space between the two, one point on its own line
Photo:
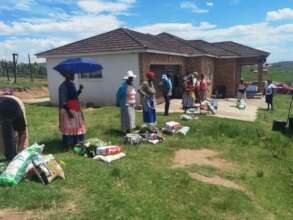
x=195 y=90
x=126 y=98
x=13 y=124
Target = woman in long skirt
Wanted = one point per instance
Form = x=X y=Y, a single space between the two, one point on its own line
x=148 y=91
x=126 y=100
x=71 y=120
x=188 y=95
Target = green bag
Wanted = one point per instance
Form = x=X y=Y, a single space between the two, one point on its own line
x=16 y=169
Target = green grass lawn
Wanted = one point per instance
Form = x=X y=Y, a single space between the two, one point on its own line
x=275 y=74
x=22 y=82
x=145 y=186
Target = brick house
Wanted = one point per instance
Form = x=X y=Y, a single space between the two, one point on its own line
x=123 y=49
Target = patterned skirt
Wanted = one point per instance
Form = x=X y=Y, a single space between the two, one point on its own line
x=73 y=129
x=149 y=110
x=127 y=117
x=187 y=101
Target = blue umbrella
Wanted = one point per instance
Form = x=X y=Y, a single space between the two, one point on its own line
x=78 y=65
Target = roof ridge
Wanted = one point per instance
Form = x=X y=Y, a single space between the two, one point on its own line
x=184 y=41
x=125 y=30
x=238 y=54
x=243 y=45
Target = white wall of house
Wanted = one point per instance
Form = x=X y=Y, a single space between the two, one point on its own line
x=98 y=91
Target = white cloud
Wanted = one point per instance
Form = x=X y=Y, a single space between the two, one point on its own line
x=77 y=25
x=281 y=14
x=28 y=46
x=37 y=35
x=210 y=4
x=22 y=5
x=194 y=8
x=99 y=6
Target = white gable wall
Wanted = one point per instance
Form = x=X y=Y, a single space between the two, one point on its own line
x=98 y=91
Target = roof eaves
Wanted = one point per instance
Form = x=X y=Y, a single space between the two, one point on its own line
x=93 y=53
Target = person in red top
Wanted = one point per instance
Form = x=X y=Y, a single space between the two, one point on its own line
x=203 y=87
x=188 y=96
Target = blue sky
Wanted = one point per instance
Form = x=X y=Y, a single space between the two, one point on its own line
x=31 y=26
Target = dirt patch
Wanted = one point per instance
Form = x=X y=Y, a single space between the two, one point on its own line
x=31 y=93
x=216 y=180
x=7 y=214
x=206 y=157
x=201 y=157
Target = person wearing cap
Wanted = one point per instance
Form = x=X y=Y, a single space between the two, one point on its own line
x=167 y=91
x=125 y=98
x=148 y=92
x=71 y=119
x=13 y=126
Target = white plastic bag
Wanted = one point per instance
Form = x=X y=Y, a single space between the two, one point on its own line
x=110 y=158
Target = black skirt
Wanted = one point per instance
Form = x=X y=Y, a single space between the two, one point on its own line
x=269 y=99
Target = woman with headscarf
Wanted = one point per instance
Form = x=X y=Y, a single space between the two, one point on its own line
x=188 y=95
x=125 y=98
x=13 y=126
x=148 y=91
x=71 y=120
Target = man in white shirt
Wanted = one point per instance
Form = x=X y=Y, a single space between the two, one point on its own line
x=269 y=92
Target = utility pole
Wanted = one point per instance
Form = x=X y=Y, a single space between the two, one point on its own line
x=15 y=56
x=30 y=68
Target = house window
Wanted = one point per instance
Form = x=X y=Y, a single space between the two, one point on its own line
x=94 y=75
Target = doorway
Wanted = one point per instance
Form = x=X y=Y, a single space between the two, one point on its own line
x=176 y=76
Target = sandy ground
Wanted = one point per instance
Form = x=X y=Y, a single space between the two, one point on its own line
x=226 y=108
x=33 y=95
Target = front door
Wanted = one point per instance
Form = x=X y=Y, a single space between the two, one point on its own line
x=175 y=72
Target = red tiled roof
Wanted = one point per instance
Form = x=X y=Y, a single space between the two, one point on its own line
x=240 y=49
x=179 y=43
x=211 y=49
x=126 y=40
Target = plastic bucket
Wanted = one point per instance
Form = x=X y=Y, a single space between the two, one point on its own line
x=279 y=125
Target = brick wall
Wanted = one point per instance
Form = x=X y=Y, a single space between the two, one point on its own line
x=226 y=75
x=205 y=65
x=147 y=59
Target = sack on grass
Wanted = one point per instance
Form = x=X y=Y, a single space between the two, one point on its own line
x=183 y=130
x=110 y=158
x=185 y=117
x=16 y=170
x=133 y=139
x=47 y=168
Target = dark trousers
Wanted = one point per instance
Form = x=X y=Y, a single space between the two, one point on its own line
x=167 y=104
x=9 y=139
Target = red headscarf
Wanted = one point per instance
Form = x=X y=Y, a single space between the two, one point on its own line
x=150 y=75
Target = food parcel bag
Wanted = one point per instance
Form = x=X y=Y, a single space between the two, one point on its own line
x=110 y=158
x=47 y=168
x=16 y=170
